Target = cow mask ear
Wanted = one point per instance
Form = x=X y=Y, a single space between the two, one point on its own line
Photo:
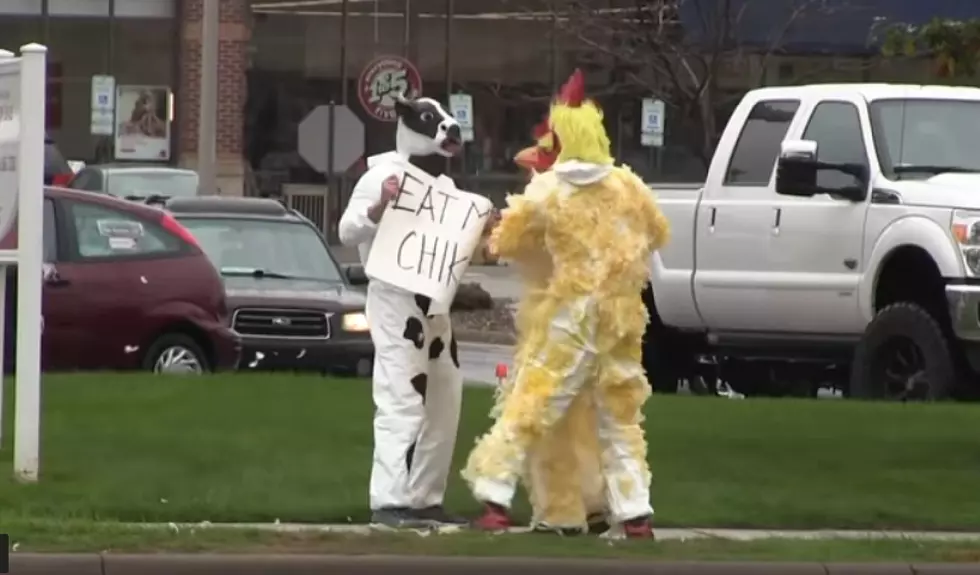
x=402 y=106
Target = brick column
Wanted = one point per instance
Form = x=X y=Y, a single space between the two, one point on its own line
x=233 y=36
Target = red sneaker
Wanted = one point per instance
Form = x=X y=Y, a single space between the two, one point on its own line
x=494 y=518
x=639 y=528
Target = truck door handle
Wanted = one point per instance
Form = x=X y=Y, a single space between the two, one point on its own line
x=714 y=213
x=777 y=219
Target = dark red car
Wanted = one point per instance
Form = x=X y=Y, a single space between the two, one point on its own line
x=126 y=287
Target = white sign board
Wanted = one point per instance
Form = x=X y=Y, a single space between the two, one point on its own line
x=103 y=105
x=652 y=123
x=9 y=141
x=461 y=107
x=22 y=95
x=427 y=236
x=142 y=125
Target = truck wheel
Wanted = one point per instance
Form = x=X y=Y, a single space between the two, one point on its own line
x=904 y=355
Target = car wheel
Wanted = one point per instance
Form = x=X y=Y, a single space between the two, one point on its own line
x=176 y=353
x=904 y=355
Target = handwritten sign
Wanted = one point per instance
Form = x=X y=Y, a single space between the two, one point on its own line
x=427 y=236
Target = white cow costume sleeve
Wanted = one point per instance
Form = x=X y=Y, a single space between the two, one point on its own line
x=417 y=386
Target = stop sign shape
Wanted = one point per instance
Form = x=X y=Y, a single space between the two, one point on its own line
x=314 y=134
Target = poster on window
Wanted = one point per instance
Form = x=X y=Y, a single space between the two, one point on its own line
x=142 y=123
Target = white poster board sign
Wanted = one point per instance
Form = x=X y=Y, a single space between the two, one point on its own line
x=427 y=236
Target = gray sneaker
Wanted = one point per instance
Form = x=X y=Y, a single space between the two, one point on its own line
x=437 y=514
x=399 y=518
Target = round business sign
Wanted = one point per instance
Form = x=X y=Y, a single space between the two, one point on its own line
x=382 y=80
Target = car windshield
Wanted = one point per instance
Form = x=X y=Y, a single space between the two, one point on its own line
x=917 y=139
x=149 y=184
x=262 y=248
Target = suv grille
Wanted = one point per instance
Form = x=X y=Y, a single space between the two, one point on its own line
x=285 y=323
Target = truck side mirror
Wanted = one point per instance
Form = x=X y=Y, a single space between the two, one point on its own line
x=796 y=168
x=355 y=275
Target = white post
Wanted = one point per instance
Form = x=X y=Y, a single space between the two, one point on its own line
x=4 y=54
x=30 y=241
x=207 y=122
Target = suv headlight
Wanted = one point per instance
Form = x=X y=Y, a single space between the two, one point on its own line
x=357 y=321
x=965 y=227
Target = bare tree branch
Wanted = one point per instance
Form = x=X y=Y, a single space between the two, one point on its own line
x=647 y=47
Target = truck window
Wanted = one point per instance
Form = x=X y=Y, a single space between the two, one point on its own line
x=836 y=128
x=754 y=157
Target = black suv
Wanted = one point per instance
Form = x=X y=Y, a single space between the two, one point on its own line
x=293 y=305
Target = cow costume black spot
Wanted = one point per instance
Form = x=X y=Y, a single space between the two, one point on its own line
x=414 y=332
x=424 y=302
x=435 y=348
x=417 y=387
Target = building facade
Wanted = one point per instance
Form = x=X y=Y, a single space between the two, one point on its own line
x=280 y=59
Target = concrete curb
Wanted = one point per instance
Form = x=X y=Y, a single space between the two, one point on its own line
x=243 y=564
x=663 y=533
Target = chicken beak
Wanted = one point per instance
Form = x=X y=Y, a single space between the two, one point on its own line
x=527 y=158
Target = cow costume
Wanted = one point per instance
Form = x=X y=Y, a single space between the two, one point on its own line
x=417 y=385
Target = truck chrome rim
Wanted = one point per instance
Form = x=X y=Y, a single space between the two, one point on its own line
x=179 y=360
x=902 y=370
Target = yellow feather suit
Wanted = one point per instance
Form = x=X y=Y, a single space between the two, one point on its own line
x=582 y=334
x=563 y=474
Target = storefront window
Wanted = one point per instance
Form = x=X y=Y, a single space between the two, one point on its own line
x=137 y=46
x=498 y=55
x=78 y=48
x=503 y=57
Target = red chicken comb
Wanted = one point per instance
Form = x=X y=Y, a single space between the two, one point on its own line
x=573 y=92
x=540 y=130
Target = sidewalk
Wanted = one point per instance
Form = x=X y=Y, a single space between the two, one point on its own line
x=153 y=564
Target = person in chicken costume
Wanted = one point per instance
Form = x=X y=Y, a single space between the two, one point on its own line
x=598 y=224
x=562 y=476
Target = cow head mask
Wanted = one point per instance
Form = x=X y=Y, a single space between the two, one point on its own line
x=426 y=129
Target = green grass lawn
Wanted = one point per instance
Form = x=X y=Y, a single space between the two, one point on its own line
x=295 y=448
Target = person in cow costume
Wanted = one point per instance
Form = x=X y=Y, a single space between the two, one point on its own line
x=417 y=385
x=598 y=224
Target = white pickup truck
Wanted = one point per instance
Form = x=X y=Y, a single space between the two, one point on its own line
x=835 y=241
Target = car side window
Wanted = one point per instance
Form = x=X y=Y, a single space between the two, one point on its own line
x=103 y=232
x=836 y=128
x=754 y=157
x=50 y=232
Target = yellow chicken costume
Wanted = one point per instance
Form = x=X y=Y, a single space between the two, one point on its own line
x=563 y=473
x=598 y=225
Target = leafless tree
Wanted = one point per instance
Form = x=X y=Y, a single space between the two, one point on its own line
x=646 y=46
